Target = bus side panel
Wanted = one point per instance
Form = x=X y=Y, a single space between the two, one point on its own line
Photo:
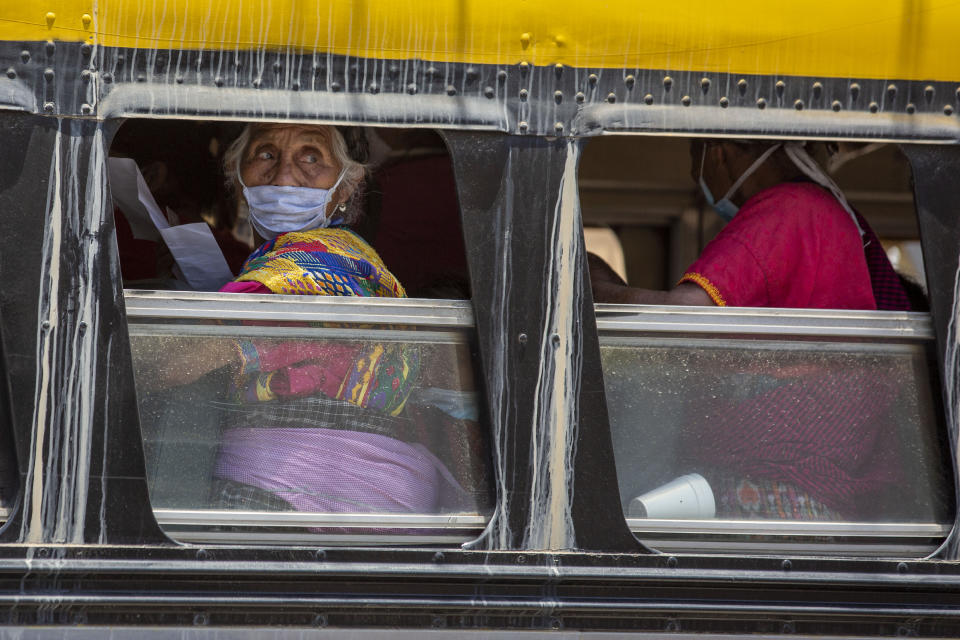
x=74 y=412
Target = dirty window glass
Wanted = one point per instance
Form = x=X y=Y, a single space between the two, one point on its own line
x=338 y=428
x=722 y=434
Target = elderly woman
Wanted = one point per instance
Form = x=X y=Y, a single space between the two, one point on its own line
x=314 y=425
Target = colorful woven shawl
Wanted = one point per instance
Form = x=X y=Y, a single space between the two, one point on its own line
x=331 y=261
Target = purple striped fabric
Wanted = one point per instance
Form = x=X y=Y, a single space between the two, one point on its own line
x=330 y=471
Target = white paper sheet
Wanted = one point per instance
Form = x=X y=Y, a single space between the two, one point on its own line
x=193 y=246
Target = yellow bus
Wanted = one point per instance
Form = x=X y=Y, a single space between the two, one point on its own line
x=505 y=141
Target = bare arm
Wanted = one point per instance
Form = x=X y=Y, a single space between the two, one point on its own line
x=609 y=287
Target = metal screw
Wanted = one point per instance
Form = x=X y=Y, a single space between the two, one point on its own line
x=667 y=83
x=558 y=127
x=817 y=90
x=50 y=48
x=874 y=107
x=523 y=95
x=786 y=565
x=672 y=562
x=320 y=555
x=724 y=102
x=202 y=554
x=48 y=75
x=501 y=76
x=902 y=567
x=335 y=86
x=929 y=92
x=611 y=97
x=374 y=88
x=685 y=101
x=629 y=81
x=522 y=338
x=705 y=84
x=761 y=103
x=25 y=55
x=524 y=67
x=179 y=80
x=451 y=90
x=798 y=105
x=836 y=106
x=911 y=108
x=218 y=81
x=781 y=86
x=948 y=110
x=471 y=74
x=891 y=91
x=648 y=99
x=854 y=91
x=45 y=325
x=522 y=126
x=580 y=97
x=558 y=96
x=11 y=73
x=558 y=69
x=742 y=86
x=48 y=107
x=593 y=79
x=489 y=92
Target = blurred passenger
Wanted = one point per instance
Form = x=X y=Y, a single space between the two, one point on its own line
x=806 y=442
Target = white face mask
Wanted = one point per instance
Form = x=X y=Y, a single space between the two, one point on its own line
x=724 y=206
x=275 y=210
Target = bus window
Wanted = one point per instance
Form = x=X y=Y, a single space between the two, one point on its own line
x=797 y=426
x=339 y=418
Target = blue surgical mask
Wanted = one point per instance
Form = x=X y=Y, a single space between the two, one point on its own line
x=725 y=207
x=275 y=210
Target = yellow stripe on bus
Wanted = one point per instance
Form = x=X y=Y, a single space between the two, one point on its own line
x=896 y=39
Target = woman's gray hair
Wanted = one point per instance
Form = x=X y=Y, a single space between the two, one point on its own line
x=352 y=158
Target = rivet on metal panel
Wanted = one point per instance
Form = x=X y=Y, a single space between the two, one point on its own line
x=672 y=562
x=523 y=95
x=85 y=76
x=86 y=109
x=374 y=88
x=501 y=76
x=685 y=101
x=489 y=92
x=958 y=94
x=724 y=102
x=200 y=620
x=48 y=74
x=798 y=105
x=141 y=77
x=51 y=18
x=277 y=67
x=611 y=97
x=580 y=97
x=86 y=49
x=629 y=81
x=11 y=73
x=667 y=82
x=85 y=20
x=179 y=79
x=781 y=86
x=238 y=64
x=854 y=91
x=25 y=56
x=335 y=87
x=256 y=85
x=742 y=86
x=120 y=62
x=218 y=81
x=522 y=338
x=524 y=67
x=761 y=103
x=412 y=88
x=433 y=73
x=45 y=325
x=394 y=70
x=788 y=627
x=558 y=69
x=902 y=567
x=354 y=68
x=891 y=91
x=929 y=92
x=320 y=620
x=317 y=68
x=50 y=47
x=524 y=40
x=558 y=96
x=948 y=109
x=295 y=85
x=471 y=74
x=648 y=99
x=558 y=127
x=817 y=90
x=874 y=107
x=593 y=79
x=451 y=90
x=705 y=84
x=559 y=40
x=523 y=126
x=836 y=106
x=911 y=108
x=786 y=565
